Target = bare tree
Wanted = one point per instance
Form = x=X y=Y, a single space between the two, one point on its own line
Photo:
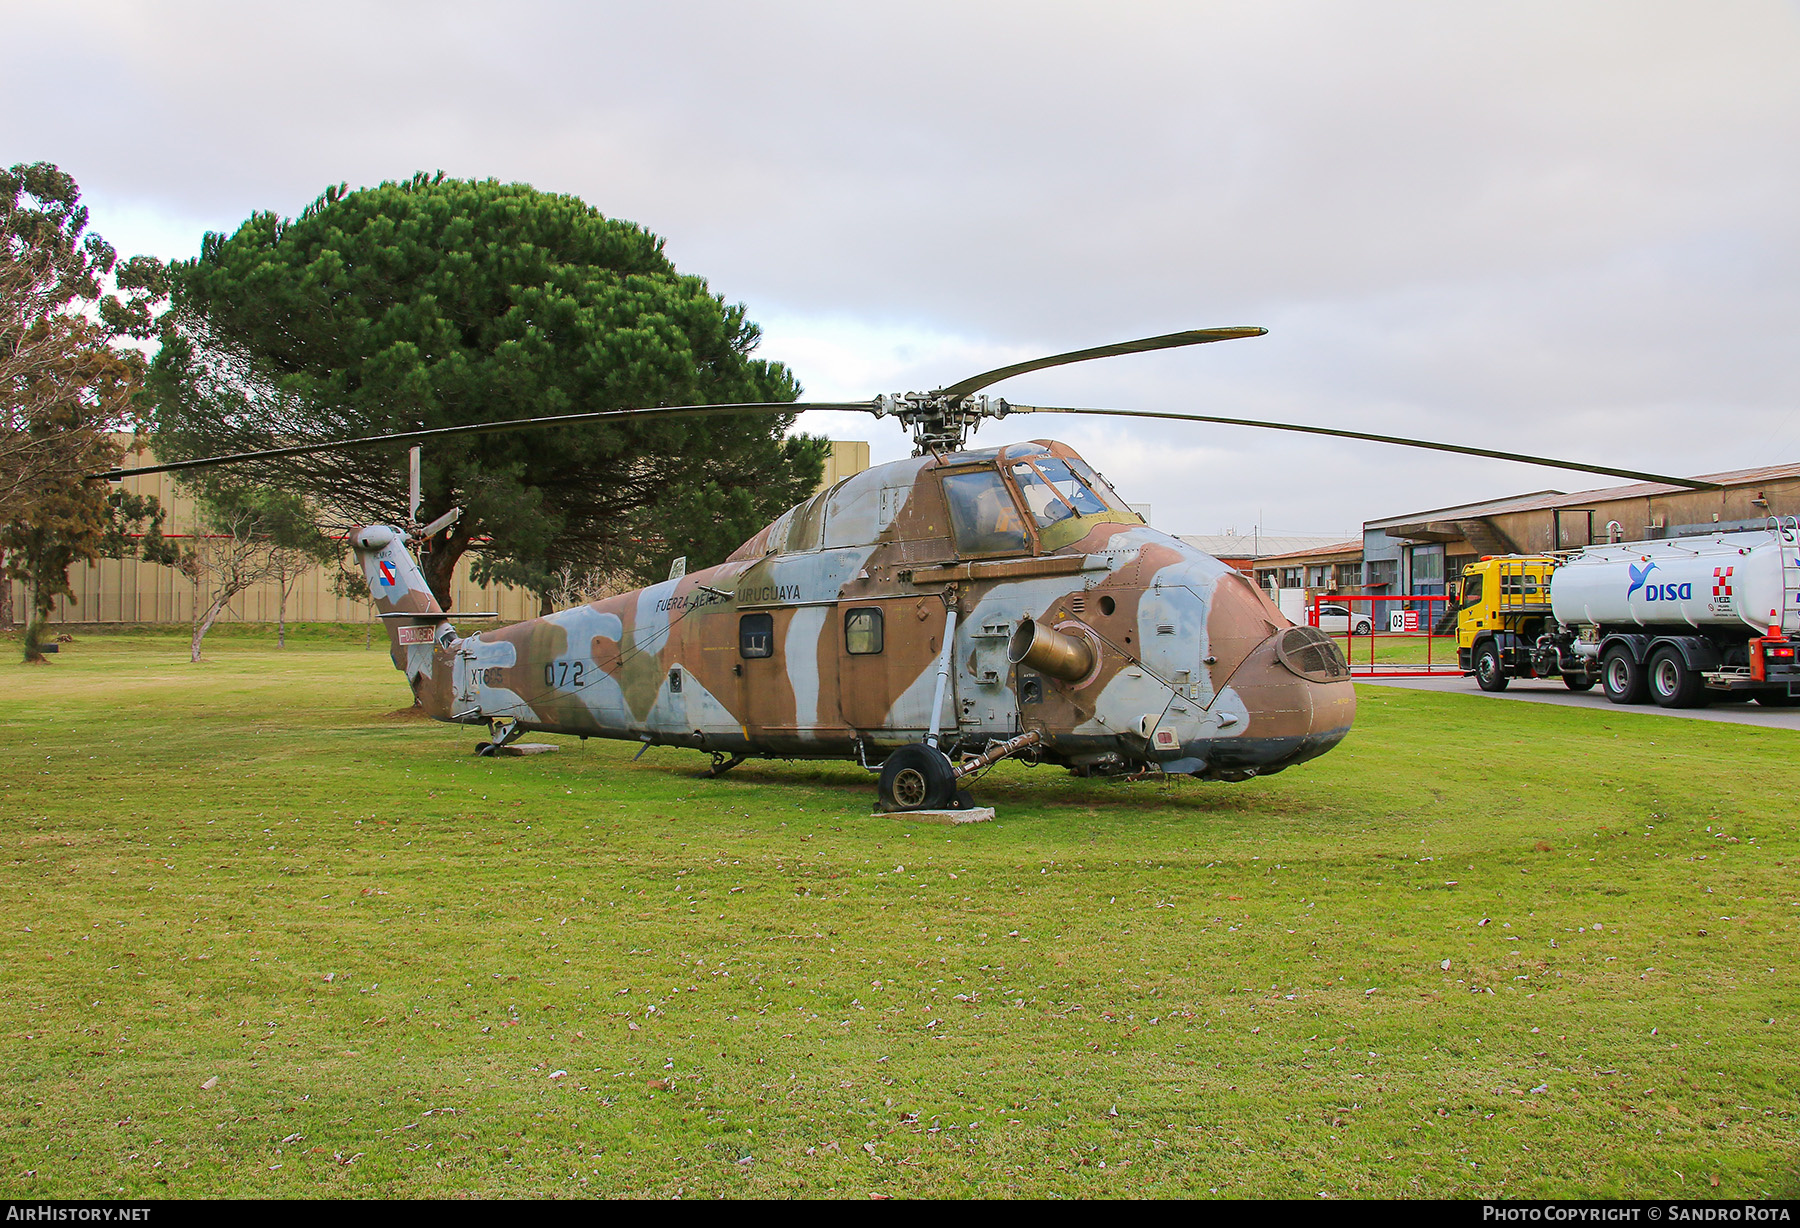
x=244 y=537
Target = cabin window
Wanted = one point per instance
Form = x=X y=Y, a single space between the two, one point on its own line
x=756 y=635
x=984 y=515
x=862 y=632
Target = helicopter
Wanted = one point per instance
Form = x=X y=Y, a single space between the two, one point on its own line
x=925 y=618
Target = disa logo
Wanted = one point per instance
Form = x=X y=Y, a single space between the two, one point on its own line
x=1656 y=592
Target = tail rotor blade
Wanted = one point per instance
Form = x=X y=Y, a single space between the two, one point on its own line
x=1168 y=341
x=1398 y=440
x=440 y=524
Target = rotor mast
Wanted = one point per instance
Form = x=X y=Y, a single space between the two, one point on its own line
x=938 y=423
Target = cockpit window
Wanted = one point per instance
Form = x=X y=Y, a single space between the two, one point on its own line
x=1053 y=492
x=984 y=515
x=1045 y=502
x=1106 y=494
x=1072 y=489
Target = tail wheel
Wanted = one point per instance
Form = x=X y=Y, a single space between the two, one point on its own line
x=1672 y=683
x=1490 y=674
x=1623 y=678
x=917 y=777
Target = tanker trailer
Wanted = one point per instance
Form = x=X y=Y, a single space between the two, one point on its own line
x=1683 y=621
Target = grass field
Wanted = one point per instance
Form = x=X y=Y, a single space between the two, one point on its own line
x=269 y=939
x=1399 y=649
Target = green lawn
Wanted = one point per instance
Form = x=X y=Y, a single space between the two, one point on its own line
x=414 y=972
x=1386 y=649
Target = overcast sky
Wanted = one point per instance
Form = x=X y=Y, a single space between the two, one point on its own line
x=1567 y=228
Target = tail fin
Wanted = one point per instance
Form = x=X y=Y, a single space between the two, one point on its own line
x=416 y=624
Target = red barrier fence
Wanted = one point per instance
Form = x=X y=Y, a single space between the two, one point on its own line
x=1394 y=623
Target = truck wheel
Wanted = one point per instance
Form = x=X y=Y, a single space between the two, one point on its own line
x=1672 y=683
x=1578 y=682
x=1490 y=675
x=1777 y=699
x=1623 y=678
x=917 y=777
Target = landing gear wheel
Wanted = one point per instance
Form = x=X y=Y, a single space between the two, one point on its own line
x=1623 y=678
x=917 y=777
x=484 y=748
x=1673 y=684
x=1490 y=675
x=1578 y=682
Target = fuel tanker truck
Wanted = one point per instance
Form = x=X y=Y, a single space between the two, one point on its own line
x=1684 y=622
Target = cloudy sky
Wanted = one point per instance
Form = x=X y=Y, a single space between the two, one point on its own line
x=1571 y=228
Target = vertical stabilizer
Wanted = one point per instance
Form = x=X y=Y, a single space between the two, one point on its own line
x=393 y=575
x=419 y=631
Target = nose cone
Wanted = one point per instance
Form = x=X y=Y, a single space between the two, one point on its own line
x=1293 y=683
x=1293 y=715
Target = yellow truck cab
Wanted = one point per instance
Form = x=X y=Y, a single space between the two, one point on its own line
x=1500 y=618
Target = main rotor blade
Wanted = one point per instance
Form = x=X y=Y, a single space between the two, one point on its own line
x=1168 y=341
x=1401 y=441
x=487 y=428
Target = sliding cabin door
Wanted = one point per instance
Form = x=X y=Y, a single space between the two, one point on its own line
x=887 y=651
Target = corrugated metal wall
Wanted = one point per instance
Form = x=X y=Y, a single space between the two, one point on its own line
x=130 y=591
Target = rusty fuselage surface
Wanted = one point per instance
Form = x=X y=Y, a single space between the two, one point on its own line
x=821 y=637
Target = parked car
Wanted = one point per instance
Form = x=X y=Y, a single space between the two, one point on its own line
x=1336 y=619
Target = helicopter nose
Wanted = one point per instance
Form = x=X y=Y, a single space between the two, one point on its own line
x=1290 y=687
x=1297 y=694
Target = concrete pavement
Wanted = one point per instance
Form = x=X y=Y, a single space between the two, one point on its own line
x=1554 y=692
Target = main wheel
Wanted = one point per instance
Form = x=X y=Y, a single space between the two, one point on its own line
x=917 y=777
x=1578 y=682
x=1623 y=678
x=1490 y=675
x=1672 y=683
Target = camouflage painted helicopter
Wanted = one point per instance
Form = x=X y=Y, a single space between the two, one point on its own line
x=926 y=618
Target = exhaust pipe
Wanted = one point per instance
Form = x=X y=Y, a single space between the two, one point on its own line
x=1050 y=652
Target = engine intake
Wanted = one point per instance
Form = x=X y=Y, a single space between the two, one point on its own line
x=1050 y=651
